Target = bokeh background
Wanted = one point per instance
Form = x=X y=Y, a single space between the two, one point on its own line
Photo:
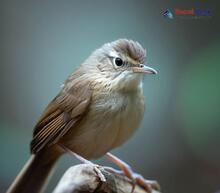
x=42 y=42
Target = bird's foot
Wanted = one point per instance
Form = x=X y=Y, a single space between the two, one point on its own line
x=95 y=166
x=136 y=179
x=99 y=173
x=85 y=161
x=148 y=185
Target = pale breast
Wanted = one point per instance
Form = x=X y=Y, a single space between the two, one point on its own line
x=111 y=120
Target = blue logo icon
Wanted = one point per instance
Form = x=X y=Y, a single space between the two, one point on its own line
x=168 y=14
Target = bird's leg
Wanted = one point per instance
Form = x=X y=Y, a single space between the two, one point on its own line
x=85 y=161
x=148 y=185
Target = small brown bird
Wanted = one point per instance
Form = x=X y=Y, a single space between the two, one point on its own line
x=99 y=107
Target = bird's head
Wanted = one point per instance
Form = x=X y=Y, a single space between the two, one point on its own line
x=123 y=62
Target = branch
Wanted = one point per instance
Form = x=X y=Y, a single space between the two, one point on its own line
x=85 y=178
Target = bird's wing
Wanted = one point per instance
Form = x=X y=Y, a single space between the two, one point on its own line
x=60 y=116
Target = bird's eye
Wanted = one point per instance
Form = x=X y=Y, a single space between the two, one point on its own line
x=118 y=62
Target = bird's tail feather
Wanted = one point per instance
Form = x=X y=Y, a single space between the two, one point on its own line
x=34 y=176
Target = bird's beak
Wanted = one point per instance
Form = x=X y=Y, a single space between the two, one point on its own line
x=144 y=69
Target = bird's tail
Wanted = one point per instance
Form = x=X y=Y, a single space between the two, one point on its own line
x=34 y=176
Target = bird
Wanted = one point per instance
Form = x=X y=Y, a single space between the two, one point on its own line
x=99 y=107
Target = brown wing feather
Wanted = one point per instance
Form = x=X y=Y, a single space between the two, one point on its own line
x=60 y=116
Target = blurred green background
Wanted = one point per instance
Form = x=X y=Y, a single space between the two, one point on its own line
x=42 y=42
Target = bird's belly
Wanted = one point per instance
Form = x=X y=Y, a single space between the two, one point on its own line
x=105 y=129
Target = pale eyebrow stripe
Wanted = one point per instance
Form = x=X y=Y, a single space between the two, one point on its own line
x=113 y=54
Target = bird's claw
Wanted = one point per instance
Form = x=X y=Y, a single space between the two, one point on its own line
x=136 y=179
x=99 y=173
x=147 y=185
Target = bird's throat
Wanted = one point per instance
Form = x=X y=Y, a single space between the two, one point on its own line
x=128 y=82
